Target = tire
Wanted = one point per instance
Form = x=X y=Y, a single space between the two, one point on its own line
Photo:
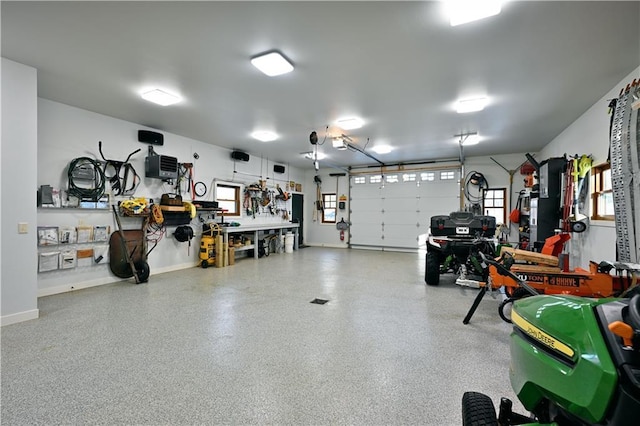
x=478 y=410
x=143 y=271
x=432 y=269
x=204 y=263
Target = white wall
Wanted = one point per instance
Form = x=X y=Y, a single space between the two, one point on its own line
x=18 y=285
x=317 y=233
x=589 y=134
x=66 y=133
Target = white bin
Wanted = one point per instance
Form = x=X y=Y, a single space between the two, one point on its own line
x=288 y=243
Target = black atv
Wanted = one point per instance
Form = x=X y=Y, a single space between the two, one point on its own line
x=453 y=242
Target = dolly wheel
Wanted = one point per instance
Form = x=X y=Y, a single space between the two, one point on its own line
x=478 y=410
x=143 y=271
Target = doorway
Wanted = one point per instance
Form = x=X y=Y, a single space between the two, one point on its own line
x=297 y=210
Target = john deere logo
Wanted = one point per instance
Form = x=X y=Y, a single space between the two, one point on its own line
x=540 y=335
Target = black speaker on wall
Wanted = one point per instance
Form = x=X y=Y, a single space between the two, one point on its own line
x=239 y=155
x=147 y=136
x=278 y=169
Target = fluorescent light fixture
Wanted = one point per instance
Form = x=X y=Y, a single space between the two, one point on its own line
x=264 y=135
x=471 y=105
x=339 y=143
x=382 y=149
x=350 y=123
x=465 y=11
x=160 y=97
x=272 y=64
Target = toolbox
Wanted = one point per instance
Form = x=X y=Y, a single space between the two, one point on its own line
x=463 y=224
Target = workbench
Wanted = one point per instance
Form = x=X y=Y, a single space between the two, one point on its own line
x=256 y=229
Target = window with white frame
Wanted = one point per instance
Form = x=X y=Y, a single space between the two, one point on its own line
x=447 y=175
x=494 y=204
x=329 y=204
x=427 y=176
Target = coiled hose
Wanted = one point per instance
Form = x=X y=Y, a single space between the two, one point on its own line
x=93 y=192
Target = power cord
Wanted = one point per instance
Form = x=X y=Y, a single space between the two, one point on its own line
x=90 y=171
x=478 y=180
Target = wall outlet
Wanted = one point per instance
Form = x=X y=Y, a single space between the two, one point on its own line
x=23 y=227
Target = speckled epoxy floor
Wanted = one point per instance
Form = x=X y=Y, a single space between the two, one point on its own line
x=243 y=345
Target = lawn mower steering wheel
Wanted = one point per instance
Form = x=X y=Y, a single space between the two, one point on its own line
x=634 y=312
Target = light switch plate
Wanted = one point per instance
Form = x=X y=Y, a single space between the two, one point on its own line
x=23 y=228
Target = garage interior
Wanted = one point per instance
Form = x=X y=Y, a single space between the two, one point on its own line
x=271 y=249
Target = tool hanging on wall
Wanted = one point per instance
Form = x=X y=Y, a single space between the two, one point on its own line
x=119 y=173
x=476 y=181
x=575 y=176
x=185 y=173
x=319 y=204
x=127 y=252
x=342 y=226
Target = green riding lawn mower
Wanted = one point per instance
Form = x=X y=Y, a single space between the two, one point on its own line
x=574 y=361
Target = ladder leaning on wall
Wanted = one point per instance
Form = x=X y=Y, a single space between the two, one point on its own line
x=625 y=172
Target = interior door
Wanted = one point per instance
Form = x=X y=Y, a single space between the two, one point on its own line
x=297 y=206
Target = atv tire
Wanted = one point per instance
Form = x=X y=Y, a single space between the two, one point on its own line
x=432 y=269
x=478 y=410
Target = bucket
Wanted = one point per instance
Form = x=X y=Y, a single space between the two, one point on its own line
x=288 y=243
x=281 y=250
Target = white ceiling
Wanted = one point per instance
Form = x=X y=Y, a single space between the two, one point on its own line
x=398 y=65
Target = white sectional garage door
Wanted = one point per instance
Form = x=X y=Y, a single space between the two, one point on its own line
x=393 y=210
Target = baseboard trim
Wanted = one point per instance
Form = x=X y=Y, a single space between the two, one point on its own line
x=50 y=291
x=341 y=246
x=19 y=317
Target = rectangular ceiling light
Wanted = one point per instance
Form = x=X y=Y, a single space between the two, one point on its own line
x=160 y=97
x=272 y=64
x=465 y=11
x=471 y=105
x=264 y=135
x=349 y=123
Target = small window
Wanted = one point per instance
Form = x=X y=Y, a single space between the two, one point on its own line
x=494 y=204
x=601 y=202
x=329 y=204
x=428 y=176
x=228 y=197
x=409 y=177
x=375 y=179
x=359 y=180
x=392 y=178
x=447 y=175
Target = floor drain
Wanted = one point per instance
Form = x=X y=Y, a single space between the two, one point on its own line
x=319 y=301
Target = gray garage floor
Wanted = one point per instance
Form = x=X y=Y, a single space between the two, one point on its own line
x=243 y=345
